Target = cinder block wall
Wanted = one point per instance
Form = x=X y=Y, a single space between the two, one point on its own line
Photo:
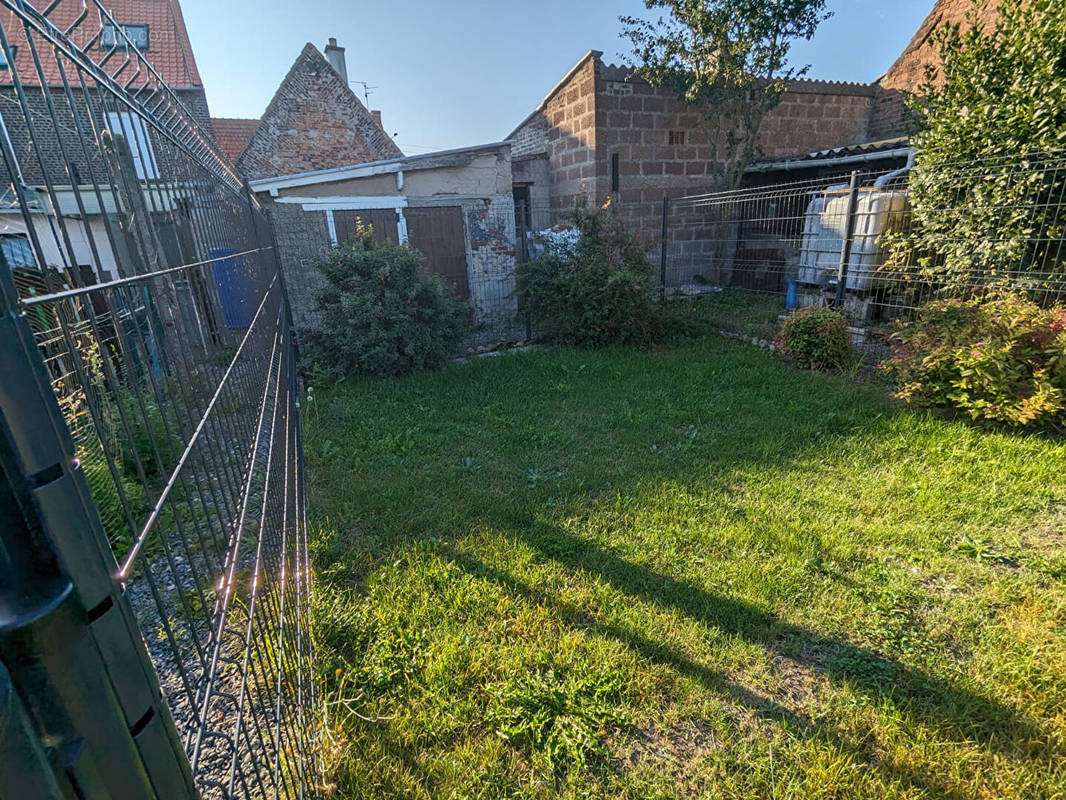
x=813 y=115
x=565 y=129
x=663 y=146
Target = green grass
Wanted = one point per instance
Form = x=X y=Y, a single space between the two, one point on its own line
x=688 y=572
x=749 y=314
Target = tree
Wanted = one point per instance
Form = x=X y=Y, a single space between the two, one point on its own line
x=988 y=185
x=729 y=60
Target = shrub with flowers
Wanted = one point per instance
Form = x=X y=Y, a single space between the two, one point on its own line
x=997 y=359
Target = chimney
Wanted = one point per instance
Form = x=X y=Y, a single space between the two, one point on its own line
x=377 y=118
x=335 y=56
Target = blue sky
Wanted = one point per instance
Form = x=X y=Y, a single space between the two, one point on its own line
x=451 y=73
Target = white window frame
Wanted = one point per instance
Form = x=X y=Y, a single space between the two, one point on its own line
x=118 y=36
x=131 y=127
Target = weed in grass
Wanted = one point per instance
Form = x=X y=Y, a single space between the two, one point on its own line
x=561 y=715
x=787 y=578
x=535 y=476
x=983 y=549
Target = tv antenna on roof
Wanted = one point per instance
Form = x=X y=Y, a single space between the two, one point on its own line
x=367 y=89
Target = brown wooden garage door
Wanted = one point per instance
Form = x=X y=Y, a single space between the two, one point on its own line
x=438 y=234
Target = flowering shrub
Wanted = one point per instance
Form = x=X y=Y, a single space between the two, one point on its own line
x=817 y=338
x=1000 y=359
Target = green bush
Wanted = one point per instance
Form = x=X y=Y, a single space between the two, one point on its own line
x=999 y=359
x=383 y=313
x=817 y=338
x=595 y=290
x=998 y=104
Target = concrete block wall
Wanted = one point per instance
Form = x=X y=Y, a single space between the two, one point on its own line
x=490 y=260
x=814 y=115
x=569 y=118
x=662 y=146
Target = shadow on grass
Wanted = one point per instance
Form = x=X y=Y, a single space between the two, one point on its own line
x=913 y=693
x=751 y=412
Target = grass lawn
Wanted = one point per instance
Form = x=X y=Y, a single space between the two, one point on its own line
x=687 y=572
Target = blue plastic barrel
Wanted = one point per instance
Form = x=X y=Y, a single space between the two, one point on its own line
x=236 y=289
x=790 y=293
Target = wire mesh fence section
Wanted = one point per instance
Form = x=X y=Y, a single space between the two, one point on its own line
x=148 y=276
x=877 y=246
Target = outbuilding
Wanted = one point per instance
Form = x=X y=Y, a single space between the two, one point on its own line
x=455 y=206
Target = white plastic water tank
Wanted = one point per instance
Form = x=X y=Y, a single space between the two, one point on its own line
x=824 y=227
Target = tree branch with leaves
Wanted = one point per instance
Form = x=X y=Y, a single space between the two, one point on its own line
x=728 y=59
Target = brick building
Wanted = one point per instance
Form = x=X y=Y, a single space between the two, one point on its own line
x=604 y=132
x=908 y=73
x=52 y=150
x=322 y=164
x=314 y=122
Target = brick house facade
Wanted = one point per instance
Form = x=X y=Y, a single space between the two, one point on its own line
x=314 y=122
x=66 y=150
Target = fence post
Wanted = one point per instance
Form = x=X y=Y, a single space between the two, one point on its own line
x=68 y=637
x=849 y=234
x=662 y=253
x=522 y=252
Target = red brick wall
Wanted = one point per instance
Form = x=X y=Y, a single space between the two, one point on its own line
x=889 y=117
x=908 y=73
x=314 y=122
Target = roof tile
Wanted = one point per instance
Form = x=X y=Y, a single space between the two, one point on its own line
x=169 y=49
x=233 y=135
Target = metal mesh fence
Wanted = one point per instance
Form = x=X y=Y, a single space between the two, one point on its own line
x=874 y=245
x=147 y=274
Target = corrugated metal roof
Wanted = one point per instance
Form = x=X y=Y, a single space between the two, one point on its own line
x=844 y=151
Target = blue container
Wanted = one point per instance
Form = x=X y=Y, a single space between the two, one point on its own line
x=790 y=294
x=236 y=289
